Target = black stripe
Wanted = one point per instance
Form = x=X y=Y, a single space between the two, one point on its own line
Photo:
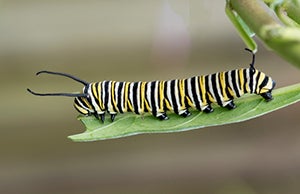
x=89 y=98
x=220 y=81
x=96 y=85
x=146 y=101
x=106 y=94
x=186 y=94
x=215 y=89
x=207 y=89
x=120 y=97
x=83 y=104
x=245 y=80
x=94 y=93
x=227 y=85
x=113 y=95
x=130 y=100
x=142 y=101
x=180 y=96
x=233 y=79
x=135 y=97
x=76 y=102
x=194 y=92
x=251 y=74
x=201 y=92
x=264 y=82
x=239 y=82
x=166 y=95
x=173 y=96
x=257 y=79
x=159 y=91
x=152 y=92
x=102 y=93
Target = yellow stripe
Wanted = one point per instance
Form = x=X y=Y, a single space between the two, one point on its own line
x=190 y=103
x=112 y=90
x=260 y=80
x=231 y=92
x=168 y=105
x=142 y=97
x=147 y=105
x=130 y=105
x=100 y=96
x=161 y=96
x=242 y=80
x=94 y=89
x=202 y=89
x=223 y=85
x=211 y=98
x=125 y=99
x=80 y=109
x=248 y=83
x=181 y=92
x=254 y=81
x=146 y=101
x=87 y=103
x=167 y=102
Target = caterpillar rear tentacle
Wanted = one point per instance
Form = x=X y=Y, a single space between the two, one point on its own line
x=177 y=95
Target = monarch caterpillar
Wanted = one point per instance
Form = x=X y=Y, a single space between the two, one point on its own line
x=176 y=95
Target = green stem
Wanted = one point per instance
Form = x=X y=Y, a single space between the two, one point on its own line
x=285 y=40
x=292 y=8
x=256 y=14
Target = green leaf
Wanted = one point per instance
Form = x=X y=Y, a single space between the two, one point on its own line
x=248 y=107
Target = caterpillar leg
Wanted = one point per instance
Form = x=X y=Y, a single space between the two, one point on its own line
x=186 y=113
x=162 y=116
x=97 y=116
x=112 y=117
x=208 y=109
x=230 y=105
x=102 y=117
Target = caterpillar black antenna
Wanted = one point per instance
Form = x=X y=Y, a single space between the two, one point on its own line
x=61 y=94
x=253 y=58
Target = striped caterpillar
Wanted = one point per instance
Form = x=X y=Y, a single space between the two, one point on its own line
x=177 y=95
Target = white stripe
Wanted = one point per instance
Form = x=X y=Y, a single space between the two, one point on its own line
x=148 y=94
x=110 y=105
x=198 y=92
x=190 y=93
x=254 y=81
x=94 y=103
x=117 y=85
x=123 y=96
x=139 y=97
x=103 y=93
x=82 y=106
x=219 y=88
x=169 y=97
x=131 y=94
x=210 y=87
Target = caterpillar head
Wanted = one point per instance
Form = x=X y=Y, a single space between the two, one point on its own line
x=264 y=84
x=83 y=104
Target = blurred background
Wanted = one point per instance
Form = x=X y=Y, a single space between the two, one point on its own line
x=133 y=40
